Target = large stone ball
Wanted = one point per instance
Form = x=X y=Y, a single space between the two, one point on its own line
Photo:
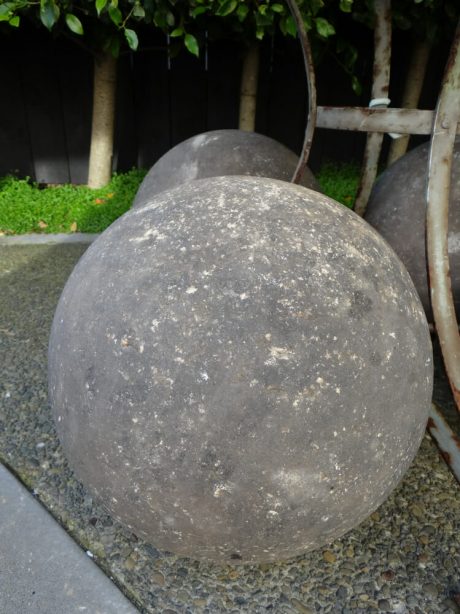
x=241 y=370
x=397 y=209
x=217 y=153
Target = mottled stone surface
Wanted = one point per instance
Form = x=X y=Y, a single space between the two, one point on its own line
x=221 y=152
x=397 y=209
x=241 y=370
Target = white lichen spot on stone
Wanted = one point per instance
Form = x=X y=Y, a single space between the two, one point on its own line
x=204 y=376
x=179 y=360
x=277 y=353
x=151 y=232
x=191 y=290
x=272 y=513
x=221 y=489
x=243 y=296
x=253 y=383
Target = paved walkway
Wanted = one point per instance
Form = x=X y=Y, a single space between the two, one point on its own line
x=41 y=568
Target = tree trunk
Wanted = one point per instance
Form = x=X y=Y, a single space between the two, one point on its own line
x=248 y=89
x=101 y=152
x=411 y=95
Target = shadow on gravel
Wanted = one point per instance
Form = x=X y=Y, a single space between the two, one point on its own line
x=404 y=558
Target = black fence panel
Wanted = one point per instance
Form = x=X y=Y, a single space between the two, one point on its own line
x=45 y=106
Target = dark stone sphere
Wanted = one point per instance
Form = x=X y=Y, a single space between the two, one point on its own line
x=241 y=371
x=397 y=209
x=218 y=153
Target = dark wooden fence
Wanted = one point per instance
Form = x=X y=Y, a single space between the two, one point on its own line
x=45 y=105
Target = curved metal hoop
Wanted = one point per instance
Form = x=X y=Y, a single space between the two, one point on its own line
x=438 y=191
x=310 y=74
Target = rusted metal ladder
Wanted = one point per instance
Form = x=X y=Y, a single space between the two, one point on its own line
x=443 y=124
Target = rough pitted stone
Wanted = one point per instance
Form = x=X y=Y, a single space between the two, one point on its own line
x=397 y=210
x=217 y=153
x=241 y=370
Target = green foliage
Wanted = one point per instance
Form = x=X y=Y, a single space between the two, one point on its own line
x=339 y=181
x=110 y=24
x=24 y=207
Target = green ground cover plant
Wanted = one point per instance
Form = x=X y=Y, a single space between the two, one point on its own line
x=25 y=207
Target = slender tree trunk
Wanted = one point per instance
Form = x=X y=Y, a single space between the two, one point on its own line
x=411 y=95
x=248 y=89
x=101 y=152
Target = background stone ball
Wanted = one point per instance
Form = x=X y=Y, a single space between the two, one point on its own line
x=241 y=371
x=217 y=153
x=397 y=209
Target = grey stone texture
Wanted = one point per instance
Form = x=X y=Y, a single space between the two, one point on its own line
x=42 y=570
x=240 y=370
x=397 y=209
x=388 y=558
x=217 y=153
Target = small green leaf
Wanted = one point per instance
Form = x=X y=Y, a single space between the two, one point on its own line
x=277 y=8
x=5 y=12
x=323 y=27
x=346 y=5
x=132 y=39
x=14 y=21
x=199 y=10
x=74 y=24
x=177 y=32
x=100 y=5
x=115 y=15
x=260 y=33
x=356 y=85
x=192 y=44
x=49 y=13
x=226 y=7
x=138 y=11
x=290 y=26
x=170 y=19
x=242 y=12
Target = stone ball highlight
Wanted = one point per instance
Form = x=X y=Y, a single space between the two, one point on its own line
x=397 y=209
x=240 y=371
x=218 y=153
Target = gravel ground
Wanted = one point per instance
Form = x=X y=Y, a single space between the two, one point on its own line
x=404 y=558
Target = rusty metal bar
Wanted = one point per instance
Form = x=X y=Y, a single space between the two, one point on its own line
x=310 y=73
x=364 y=119
x=380 y=86
x=438 y=192
x=446 y=440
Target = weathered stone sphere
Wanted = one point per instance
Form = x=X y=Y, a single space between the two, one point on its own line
x=241 y=371
x=218 y=153
x=397 y=209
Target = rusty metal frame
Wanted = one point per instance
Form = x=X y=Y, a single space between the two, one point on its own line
x=438 y=192
x=311 y=84
x=446 y=440
x=364 y=119
x=443 y=125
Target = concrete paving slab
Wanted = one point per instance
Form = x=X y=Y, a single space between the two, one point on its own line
x=47 y=239
x=42 y=570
